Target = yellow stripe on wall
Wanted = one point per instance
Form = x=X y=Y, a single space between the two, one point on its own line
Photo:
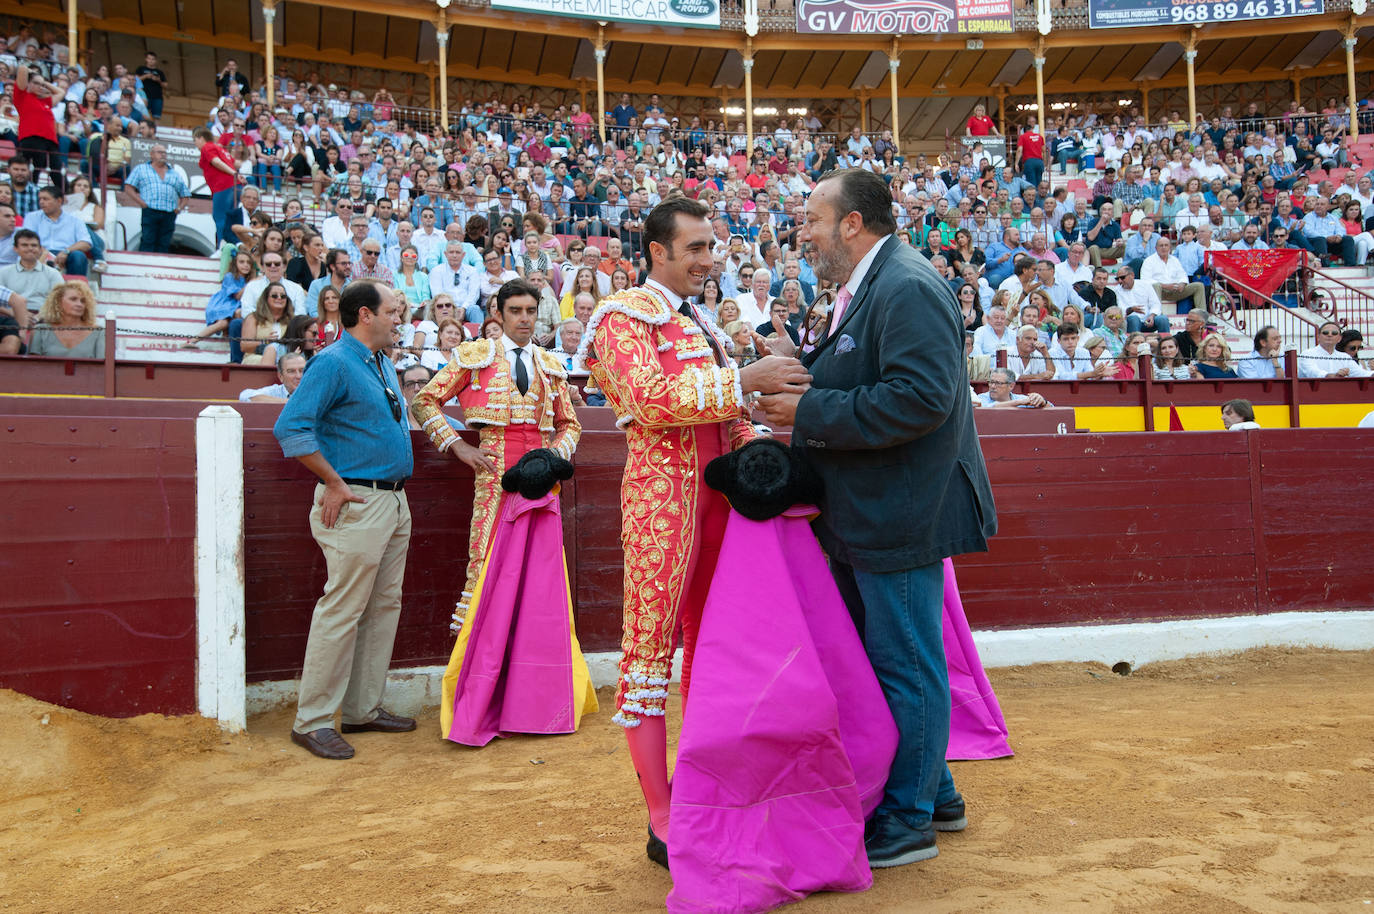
x=1208 y=418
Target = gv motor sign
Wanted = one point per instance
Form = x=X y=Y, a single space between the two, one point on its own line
x=903 y=17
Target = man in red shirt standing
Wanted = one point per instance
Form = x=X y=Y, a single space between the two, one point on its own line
x=1030 y=150
x=221 y=177
x=33 y=97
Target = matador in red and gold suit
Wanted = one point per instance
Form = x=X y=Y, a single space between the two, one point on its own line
x=663 y=368
x=507 y=422
x=509 y=425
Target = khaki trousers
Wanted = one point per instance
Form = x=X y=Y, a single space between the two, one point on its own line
x=1095 y=253
x=1194 y=290
x=354 y=625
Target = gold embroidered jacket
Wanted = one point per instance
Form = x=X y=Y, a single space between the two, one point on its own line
x=480 y=377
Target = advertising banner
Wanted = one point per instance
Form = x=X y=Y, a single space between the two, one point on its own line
x=702 y=14
x=1114 y=14
x=182 y=155
x=903 y=17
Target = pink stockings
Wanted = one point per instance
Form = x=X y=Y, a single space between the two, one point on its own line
x=649 y=752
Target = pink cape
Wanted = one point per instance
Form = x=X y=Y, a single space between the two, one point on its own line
x=786 y=739
x=976 y=727
x=517 y=666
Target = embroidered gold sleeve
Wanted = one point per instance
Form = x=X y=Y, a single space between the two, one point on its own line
x=427 y=408
x=566 y=429
x=627 y=369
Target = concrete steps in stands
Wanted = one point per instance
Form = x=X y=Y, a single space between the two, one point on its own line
x=158 y=301
x=1359 y=278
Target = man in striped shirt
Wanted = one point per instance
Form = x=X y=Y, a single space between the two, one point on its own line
x=158 y=189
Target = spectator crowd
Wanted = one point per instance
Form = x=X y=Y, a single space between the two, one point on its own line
x=329 y=184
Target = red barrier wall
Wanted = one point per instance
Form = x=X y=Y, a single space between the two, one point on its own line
x=97 y=531
x=1093 y=528
x=97 y=527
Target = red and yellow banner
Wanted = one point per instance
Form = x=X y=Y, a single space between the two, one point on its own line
x=1262 y=271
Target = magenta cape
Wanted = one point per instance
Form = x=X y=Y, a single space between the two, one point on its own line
x=517 y=666
x=976 y=727
x=786 y=739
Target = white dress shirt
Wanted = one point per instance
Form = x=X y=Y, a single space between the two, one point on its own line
x=1067 y=367
x=987 y=342
x=1318 y=363
x=428 y=244
x=1067 y=274
x=750 y=312
x=674 y=300
x=1188 y=217
x=1140 y=295
x=525 y=356
x=271 y=390
x=335 y=232
x=1163 y=272
x=465 y=286
x=1033 y=365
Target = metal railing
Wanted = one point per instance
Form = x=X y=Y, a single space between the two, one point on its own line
x=77 y=163
x=678 y=133
x=1227 y=301
x=1337 y=300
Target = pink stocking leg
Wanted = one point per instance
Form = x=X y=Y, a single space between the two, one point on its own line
x=649 y=752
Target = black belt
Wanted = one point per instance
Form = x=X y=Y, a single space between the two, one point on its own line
x=386 y=484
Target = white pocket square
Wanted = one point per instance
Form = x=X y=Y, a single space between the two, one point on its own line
x=845 y=344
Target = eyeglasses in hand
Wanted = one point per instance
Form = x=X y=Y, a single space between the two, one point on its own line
x=817 y=320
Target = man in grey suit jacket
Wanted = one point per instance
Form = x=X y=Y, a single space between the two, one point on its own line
x=888 y=425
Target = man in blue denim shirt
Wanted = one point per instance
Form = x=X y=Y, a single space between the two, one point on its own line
x=346 y=424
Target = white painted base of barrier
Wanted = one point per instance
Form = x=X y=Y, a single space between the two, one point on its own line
x=411 y=691
x=220 y=638
x=1138 y=643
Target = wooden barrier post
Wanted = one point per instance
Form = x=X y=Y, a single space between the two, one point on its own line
x=221 y=659
x=1290 y=383
x=109 y=353
x=1145 y=371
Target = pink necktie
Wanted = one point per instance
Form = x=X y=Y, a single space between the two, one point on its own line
x=841 y=302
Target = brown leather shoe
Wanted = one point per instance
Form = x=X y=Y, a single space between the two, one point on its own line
x=324 y=742
x=384 y=722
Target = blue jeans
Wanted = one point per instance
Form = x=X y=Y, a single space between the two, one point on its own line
x=263 y=171
x=222 y=203
x=900 y=619
x=97 y=245
x=234 y=332
x=1322 y=248
x=1033 y=170
x=1158 y=323
x=78 y=264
